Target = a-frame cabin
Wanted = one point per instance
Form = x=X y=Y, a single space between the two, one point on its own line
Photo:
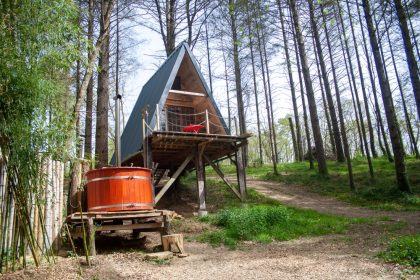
x=176 y=125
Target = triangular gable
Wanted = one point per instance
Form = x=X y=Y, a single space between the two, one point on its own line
x=207 y=89
x=156 y=91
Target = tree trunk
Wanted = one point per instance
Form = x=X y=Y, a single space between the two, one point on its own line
x=319 y=145
x=412 y=29
x=292 y=132
x=331 y=109
x=170 y=26
x=208 y=54
x=101 y=137
x=345 y=51
x=340 y=109
x=410 y=132
x=408 y=47
x=397 y=146
x=387 y=151
x=381 y=51
x=324 y=103
x=239 y=97
x=255 y=87
x=270 y=98
x=362 y=84
x=292 y=85
x=227 y=94
x=302 y=94
x=267 y=107
x=359 y=109
x=89 y=92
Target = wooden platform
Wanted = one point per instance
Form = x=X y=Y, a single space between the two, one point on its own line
x=138 y=221
x=170 y=147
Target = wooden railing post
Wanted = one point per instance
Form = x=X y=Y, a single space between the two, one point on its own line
x=157 y=118
x=207 y=122
x=143 y=126
x=166 y=119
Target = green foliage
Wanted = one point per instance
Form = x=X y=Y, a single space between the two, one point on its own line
x=264 y=223
x=37 y=53
x=38 y=47
x=403 y=250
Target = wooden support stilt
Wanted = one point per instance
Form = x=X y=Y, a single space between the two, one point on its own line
x=173 y=178
x=158 y=176
x=201 y=181
x=240 y=173
x=223 y=177
x=91 y=236
x=147 y=153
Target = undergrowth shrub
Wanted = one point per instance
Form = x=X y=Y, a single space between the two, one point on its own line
x=246 y=223
x=267 y=222
x=403 y=250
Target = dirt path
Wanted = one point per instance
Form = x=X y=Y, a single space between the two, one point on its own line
x=297 y=196
x=344 y=256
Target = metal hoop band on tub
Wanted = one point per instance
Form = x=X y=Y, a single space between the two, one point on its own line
x=121 y=177
x=128 y=205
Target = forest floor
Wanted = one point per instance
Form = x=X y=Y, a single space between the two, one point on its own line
x=351 y=255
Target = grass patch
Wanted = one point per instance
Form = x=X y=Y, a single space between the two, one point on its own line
x=378 y=193
x=404 y=250
x=267 y=222
x=261 y=219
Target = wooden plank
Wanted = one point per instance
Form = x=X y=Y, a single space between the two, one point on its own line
x=222 y=176
x=173 y=178
x=76 y=217
x=130 y=226
x=187 y=93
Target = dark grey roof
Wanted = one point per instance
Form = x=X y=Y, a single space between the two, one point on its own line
x=155 y=91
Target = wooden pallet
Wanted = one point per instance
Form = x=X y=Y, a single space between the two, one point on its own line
x=138 y=221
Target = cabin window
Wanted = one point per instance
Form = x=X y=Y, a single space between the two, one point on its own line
x=177 y=83
x=178 y=117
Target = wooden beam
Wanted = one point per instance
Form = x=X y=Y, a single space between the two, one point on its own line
x=222 y=176
x=173 y=178
x=159 y=177
x=201 y=181
x=77 y=217
x=130 y=226
x=187 y=93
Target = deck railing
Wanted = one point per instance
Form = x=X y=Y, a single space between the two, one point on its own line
x=170 y=120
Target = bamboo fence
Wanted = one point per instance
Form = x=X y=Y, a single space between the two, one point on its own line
x=42 y=207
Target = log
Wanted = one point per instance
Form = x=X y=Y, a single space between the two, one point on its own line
x=173 y=239
x=91 y=236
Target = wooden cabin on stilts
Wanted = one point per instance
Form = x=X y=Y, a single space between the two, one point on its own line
x=176 y=125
